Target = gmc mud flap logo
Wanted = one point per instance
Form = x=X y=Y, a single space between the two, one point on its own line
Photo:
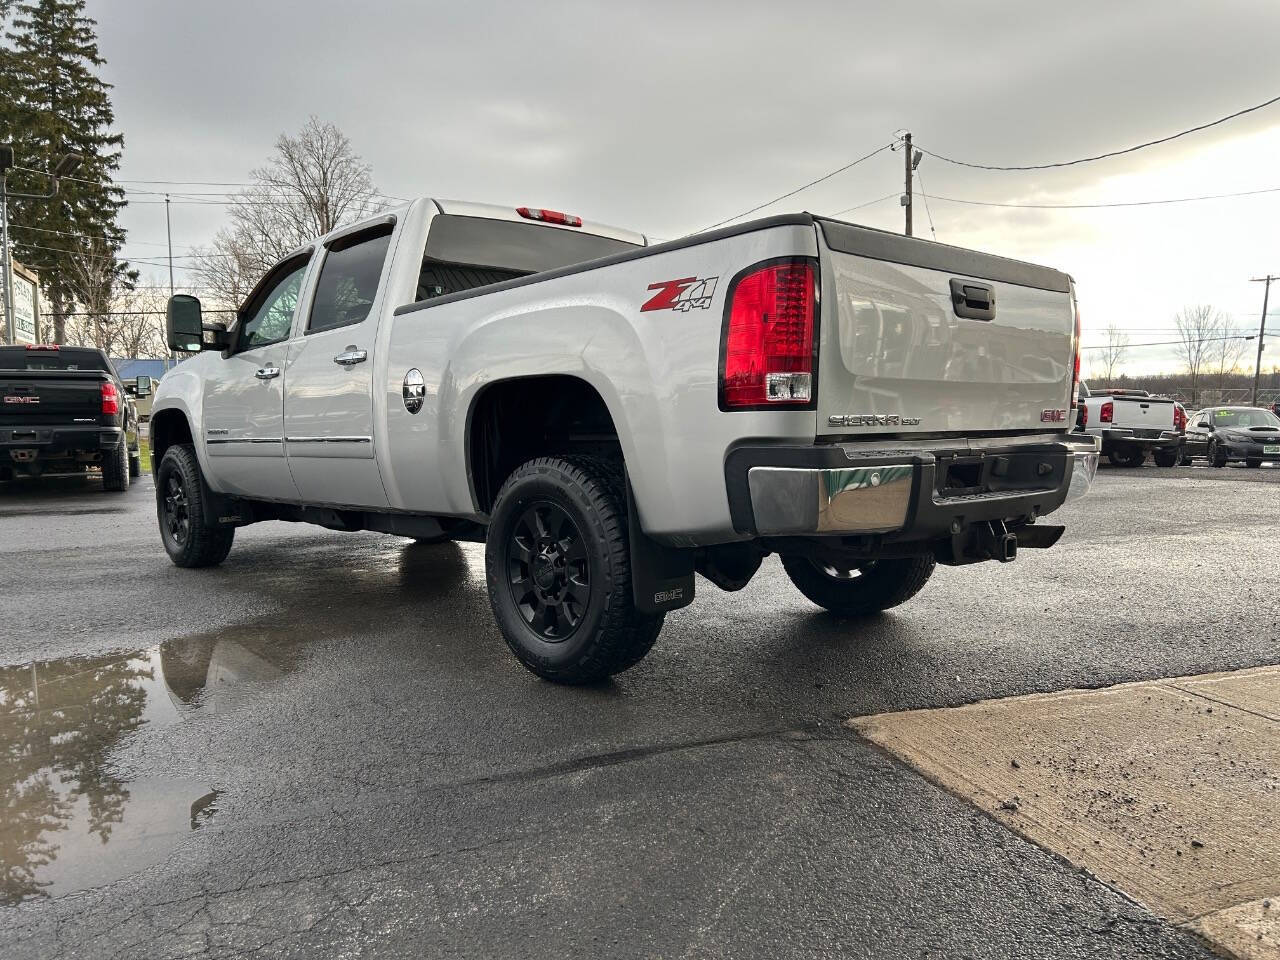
x=689 y=293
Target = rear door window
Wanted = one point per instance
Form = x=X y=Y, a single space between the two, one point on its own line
x=349 y=279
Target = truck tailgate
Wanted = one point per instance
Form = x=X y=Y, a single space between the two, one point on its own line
x=39 y=397
x=920 y=337
x=1139 y=414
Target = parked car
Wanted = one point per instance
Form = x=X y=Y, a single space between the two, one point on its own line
x=1224 y=434
x=66 y=408
x=610 y=417
x=1131 y=424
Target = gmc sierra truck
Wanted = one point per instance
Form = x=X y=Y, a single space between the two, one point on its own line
x=610 y=417
x=1131 y=424
x=66 y=408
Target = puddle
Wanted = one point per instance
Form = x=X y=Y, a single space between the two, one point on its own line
x=68 y=819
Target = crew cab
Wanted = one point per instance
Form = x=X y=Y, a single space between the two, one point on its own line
x=611 y=416
x=1133 y=423
x=66 y=408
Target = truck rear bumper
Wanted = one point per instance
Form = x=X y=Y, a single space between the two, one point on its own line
x=22 y=445
x=917 y=492
x=1142 y=438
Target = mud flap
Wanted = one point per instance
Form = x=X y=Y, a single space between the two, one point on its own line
x=661 y=576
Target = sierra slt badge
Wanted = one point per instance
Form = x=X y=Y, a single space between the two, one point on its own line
x=871 y=420
x=689 y=293
x=21 y=399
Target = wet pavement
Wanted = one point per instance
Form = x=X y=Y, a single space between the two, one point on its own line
x=323 y=746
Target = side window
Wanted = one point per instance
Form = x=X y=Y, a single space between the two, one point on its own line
x=348 y=280
x=271 y=320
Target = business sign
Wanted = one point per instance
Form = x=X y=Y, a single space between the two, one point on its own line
x=24 y=309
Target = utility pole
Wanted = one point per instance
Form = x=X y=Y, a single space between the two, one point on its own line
x=6 y=161
x=909 y=168
x=168 y=235
x=1262 y=329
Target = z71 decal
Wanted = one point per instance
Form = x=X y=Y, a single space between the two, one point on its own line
x=689 y=293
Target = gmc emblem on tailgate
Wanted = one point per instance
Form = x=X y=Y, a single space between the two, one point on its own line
x=1053 y=416
x=21 y=399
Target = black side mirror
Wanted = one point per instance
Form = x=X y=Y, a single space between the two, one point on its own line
x=183 y=324
x=143 y=388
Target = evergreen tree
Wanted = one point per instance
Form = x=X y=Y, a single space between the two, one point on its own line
x=52 y=102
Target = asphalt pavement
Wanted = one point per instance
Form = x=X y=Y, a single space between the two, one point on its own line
x=323 y=747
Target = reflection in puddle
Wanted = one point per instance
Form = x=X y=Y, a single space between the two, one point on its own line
x=68 y=819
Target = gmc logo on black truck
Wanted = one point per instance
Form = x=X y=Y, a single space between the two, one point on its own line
x=21 y=399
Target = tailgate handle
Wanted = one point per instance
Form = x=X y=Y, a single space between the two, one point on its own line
x=972 y=300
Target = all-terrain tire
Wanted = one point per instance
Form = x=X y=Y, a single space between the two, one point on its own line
x=115 y=469
x=189 y=541
x=1167 y=456
x=869 y=588
x=1127 y=456
x=573 y=642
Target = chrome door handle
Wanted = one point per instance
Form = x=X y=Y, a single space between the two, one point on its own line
x=267 y=373
x=351 y=356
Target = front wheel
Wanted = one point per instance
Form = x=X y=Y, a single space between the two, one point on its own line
x=1253 y=462
x=1217 y=456
x=188 y=539
x=558 y=564
x=1167 y=457
x=858 y=589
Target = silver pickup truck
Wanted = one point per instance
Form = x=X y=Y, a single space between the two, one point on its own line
x=610 y=417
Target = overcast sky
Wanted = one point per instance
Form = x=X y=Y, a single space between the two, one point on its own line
x=667 y=117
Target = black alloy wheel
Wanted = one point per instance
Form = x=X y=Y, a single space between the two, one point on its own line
x=548 y=571
x=177 y=516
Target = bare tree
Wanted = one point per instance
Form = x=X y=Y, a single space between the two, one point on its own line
x=1114 y=352
x=313 y=183
x=1196 y=327
x=1225 y=354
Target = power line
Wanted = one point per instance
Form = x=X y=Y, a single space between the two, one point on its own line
x=926 y=205
x=1172 y=343
x=869 y=203
x=792 y=193
x=1100 y=206
x=1111 y=153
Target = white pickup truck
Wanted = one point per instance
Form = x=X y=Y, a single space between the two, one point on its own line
x=1131 y=424
x=610 y=416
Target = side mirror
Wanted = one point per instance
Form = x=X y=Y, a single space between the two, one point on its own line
x=143 y=388
x=183 y=324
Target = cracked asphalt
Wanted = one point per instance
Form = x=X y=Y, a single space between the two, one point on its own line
x=324 y=748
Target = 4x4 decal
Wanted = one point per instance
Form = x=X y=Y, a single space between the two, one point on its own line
x=689 y=293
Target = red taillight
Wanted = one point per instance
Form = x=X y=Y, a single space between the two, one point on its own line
x=549 y=216
x=1179 y=418
x=769 y=342
x=1084 y=414
x=1075 y=363
x=110 y=399
x=1106 y=412
x=42 y=346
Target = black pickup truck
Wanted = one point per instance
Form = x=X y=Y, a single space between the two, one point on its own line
x=66 y=408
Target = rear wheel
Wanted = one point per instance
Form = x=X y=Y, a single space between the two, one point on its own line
x=558 y=563
x=1127 y=456
x=857 y=589
x=189 y=541
x=1167 y=456
x=135 y=465
x=115 y=469
x=1217 y=456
